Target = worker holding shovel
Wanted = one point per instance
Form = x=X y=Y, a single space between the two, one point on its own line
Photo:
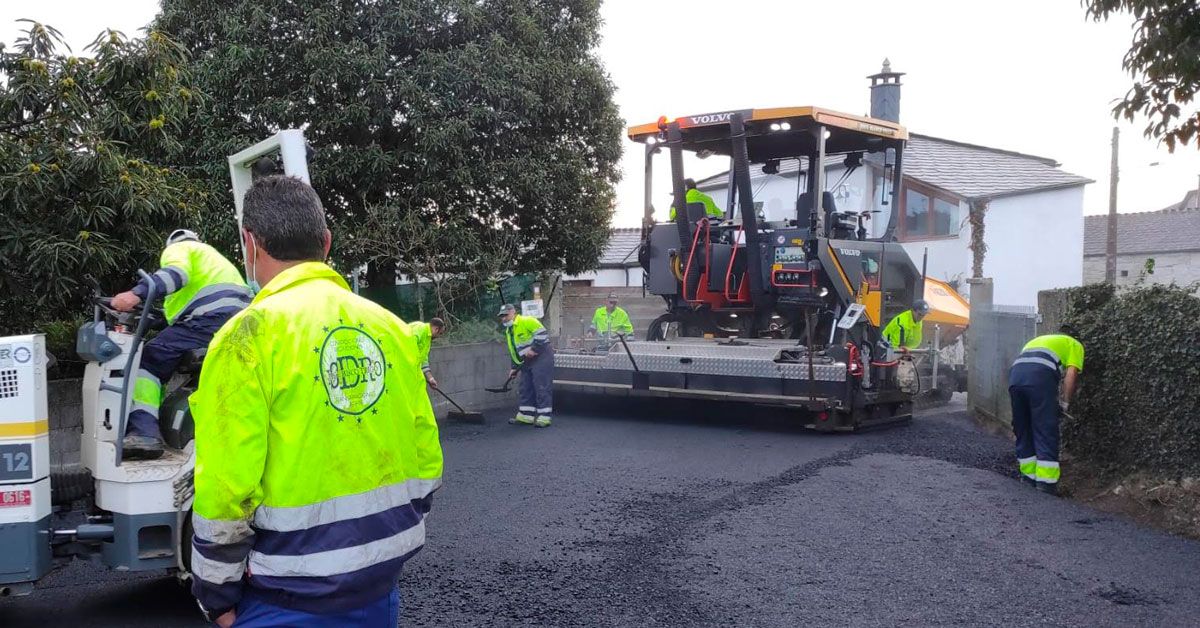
x=529 y=349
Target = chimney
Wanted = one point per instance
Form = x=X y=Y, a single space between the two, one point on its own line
x=885 y=93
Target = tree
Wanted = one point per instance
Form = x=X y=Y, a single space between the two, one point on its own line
x=451 y=257
x=83 y=185
x=491 y=116
x=1165 y=63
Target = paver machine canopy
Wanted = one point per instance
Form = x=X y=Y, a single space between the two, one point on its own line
x=739 y=275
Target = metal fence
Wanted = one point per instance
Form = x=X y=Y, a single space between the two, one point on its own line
x=995 y=338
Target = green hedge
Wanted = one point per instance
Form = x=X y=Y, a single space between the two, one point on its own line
x=1139 y=404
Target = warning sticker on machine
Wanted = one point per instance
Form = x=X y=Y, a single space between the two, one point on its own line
x=15 y=499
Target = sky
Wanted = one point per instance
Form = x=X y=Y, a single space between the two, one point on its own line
x=1033 y=76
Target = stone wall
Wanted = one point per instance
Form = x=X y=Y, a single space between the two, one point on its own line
x=1181 y=268
x=463 y=371
x=580 y=303
x=65 y=404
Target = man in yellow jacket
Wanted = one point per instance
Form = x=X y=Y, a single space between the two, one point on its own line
x=904 y=332
x=694 y=195
x=529 y=350
x=200 y=290
x=610 y=319
x=424 y=333
x=317 y=451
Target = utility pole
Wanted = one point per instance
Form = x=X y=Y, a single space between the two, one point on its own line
x=1110 y=258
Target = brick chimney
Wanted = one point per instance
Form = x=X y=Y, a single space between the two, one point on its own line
x=885 y=93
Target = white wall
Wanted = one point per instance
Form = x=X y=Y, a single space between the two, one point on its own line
x=1181 y=268
x=611 y=277
x=1035 y=242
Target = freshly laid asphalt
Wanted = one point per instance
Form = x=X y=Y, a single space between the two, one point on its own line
x=727 y=516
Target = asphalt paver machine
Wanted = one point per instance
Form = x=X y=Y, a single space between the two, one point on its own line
x=786 y=313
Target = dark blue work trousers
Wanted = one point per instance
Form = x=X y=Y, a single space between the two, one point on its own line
x=1035 y=417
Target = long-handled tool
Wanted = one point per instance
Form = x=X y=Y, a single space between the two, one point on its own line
x=506 y=386
x=460 y=414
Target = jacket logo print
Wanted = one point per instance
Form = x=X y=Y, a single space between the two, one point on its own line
x=353 y=370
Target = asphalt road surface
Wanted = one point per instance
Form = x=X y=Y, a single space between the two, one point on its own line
x=608 y=519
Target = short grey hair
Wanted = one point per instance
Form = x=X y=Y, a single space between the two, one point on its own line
x=286 y=217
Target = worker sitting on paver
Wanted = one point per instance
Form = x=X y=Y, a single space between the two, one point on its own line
x=1037 y=402
x=904 y=331
x=530 y=351
x=201 y=290
x=696 y=196
x=424 y=333
x=610 y=320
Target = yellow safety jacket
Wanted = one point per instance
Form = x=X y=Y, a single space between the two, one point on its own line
x=525 y=332
x=696 y=196
x=196 y=281
x=616 y=323
x=911 y=328
x=423 y=334
x=317 y=451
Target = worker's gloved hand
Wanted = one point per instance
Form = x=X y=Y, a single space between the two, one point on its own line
x=226 y=620
x=126 y=301
x=530 y=353
x=1063 y=406
x=512 y=373
x=431 y=381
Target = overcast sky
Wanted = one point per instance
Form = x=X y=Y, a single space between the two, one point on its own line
x=1032 y=76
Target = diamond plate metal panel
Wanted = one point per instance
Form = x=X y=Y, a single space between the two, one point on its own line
x=708 y=357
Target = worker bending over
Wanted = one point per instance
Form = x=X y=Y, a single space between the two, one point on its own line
x=1038 y=401
x=424 y=333
x=610 y=320
x=696 y=196
x=904 y=331
x=531 y=354
x=202 y=290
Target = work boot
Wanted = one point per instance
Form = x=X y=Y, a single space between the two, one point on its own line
x=1048 y=487
x=138 y=447
x=542 y=421
x=522 y=418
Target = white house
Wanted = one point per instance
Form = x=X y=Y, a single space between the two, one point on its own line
x=618 y=267
x=1033 y=222
x=1170 y=237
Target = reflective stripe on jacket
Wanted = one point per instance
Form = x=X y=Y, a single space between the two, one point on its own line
x=316 y=449
x=196 y=280
x=525 y=332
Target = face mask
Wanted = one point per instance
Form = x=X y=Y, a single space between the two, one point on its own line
x=251 y=265
x=508 y=323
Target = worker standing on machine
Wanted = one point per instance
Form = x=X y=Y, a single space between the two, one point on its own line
x=424 y=333
x=610 y=319
x=1038 y=402
x=317 y=450
x=696 y=196
x=202 y=290
x=530 y=351
x=904 y=331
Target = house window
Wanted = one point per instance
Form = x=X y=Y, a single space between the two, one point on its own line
x=927 y=213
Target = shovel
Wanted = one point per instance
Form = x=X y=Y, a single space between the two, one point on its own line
x=505 y=387
x=460 y=414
